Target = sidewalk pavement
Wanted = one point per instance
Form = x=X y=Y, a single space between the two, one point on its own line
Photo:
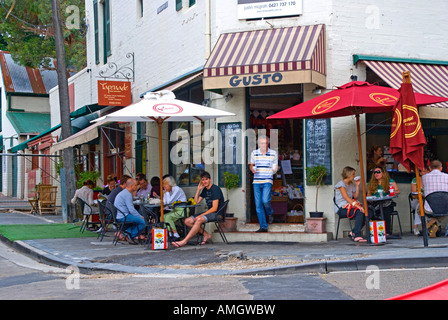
x=255 y=258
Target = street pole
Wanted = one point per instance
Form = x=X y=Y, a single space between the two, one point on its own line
x=64 y=105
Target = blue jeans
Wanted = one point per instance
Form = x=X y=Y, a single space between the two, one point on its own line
x=262 y=195
x=138 y=225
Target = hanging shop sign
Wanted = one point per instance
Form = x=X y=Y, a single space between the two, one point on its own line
x=257 y=9
x=114 y=93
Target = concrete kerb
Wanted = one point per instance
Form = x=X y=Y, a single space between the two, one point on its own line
x=322 y=266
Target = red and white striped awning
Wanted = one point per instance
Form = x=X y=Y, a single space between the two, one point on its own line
x=426 y=78
x=267 y=57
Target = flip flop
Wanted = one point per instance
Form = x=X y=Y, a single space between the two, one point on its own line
x=175 y=244
x=359 y=239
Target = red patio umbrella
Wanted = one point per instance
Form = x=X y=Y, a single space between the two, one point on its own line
x=407 y=139
x=353 y=98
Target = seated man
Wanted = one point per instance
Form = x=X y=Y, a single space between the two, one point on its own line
x=214 y=198
x=111 y=199
x=434 y=181
x=125 y=209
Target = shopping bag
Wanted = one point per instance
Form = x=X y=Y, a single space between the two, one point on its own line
x=377 y=231
x=159 y=239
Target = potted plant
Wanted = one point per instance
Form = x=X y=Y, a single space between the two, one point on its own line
x=231 y=181
x=316 y=176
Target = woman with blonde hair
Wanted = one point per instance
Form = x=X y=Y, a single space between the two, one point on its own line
x=380 y=184
x=346 y=205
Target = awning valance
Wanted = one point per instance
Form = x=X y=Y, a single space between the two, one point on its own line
x=267 y=57
x=84 y=136
x=430 y=77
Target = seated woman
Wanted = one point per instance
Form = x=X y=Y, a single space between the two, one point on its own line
x=381 y=182
x=415 y=204
x=375 y=158
x=111 y=185
x=346 y=193
x=155 y=189
x=85 y=193
x=173 y=193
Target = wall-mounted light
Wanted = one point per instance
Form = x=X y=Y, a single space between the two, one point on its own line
x=228 y=97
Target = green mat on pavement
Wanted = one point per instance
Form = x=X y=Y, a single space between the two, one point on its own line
x=15 y=232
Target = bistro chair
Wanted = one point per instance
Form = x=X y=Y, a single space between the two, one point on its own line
x=120 y=226
x=438 y=201
x=151 y=219
x=340 y=218
x=222 y=213
x=105 y=218
x=46 y=199
x=187 y=213
x=411 y=211
x=86 y=211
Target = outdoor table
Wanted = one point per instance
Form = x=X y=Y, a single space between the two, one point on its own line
x=380 y=201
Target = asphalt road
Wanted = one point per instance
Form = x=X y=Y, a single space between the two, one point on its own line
x=24 y=278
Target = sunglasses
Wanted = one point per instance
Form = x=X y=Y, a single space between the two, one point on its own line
x=377 y=171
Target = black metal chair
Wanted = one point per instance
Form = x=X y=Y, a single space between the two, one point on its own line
x=411 y=211
x=105 y=218
x=120 y=226
x=438 y=201
x=392 y=215
x=340 y=218
x=151 y=220
x=86 y=211
x=221 y=219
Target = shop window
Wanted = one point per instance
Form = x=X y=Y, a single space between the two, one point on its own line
x=113 y=149
x=188 y=173
x=106 y=30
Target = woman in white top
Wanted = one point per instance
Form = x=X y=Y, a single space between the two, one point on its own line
x=346 y=205
x=172 y=194
x=85 y=193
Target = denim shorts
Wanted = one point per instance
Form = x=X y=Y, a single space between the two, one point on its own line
x=211 y=217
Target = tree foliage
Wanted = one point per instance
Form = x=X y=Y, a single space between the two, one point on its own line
x=26 y=27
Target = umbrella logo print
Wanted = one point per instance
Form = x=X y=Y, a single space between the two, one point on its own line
x=383 y=98
x=396 y=123
x=326 y=105
x=167 y=108
x=412 y=121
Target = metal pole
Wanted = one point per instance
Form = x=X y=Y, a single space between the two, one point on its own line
x=363 y=179
x=64 y=106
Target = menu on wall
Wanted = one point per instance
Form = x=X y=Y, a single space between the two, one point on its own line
x=318 y=144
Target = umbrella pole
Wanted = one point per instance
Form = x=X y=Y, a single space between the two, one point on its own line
x=420 y=201
x=159 y=123
x=363 y=179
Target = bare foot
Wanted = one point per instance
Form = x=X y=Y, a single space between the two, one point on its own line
x=206 y=238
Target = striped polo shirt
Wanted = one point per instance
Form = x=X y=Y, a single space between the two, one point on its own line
x=264 y=164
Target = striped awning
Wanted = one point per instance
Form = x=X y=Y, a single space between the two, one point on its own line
x=429 y=78
x=267 y=57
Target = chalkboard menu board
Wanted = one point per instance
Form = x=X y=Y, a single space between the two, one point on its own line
x=318 y=144
x=230 y=158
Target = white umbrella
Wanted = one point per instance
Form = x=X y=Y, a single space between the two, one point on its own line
x=163 y=106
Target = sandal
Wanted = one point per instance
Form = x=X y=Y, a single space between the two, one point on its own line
x=359 y=239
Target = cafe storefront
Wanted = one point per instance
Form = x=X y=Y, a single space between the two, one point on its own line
x=260 y=73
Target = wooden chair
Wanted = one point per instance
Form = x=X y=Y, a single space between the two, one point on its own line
x=46 y=199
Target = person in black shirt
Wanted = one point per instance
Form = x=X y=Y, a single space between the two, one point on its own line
x=214 y=199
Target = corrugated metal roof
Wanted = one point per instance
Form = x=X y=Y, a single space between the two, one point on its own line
x=24 y=79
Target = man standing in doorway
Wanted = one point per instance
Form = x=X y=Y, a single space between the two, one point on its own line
x=263 y=164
